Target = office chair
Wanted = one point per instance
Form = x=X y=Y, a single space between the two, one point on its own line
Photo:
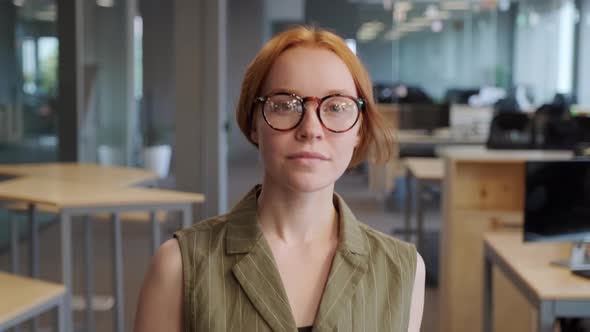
x=583 y=126
x=511 y=131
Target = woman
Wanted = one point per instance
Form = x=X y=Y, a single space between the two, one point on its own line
x=291 y=255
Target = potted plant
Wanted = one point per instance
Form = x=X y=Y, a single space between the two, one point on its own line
x=157 y=150
x=111 y=149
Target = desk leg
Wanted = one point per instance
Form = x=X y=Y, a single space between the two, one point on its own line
x=118 y=274
x=34 y=252
x=187 y=216
x=408 y=209
x=156 y=232
x=89 y=273
x=488 y=319
x=546 y=317
x=419 y=213
x=61 y=317
x=66 y=268
x=14 y=243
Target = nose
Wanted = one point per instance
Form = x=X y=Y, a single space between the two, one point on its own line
x=310 y=127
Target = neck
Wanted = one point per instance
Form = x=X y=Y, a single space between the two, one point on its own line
x=295 y=217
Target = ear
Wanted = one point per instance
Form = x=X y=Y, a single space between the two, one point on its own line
x=254 y=133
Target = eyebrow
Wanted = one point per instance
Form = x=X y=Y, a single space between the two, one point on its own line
x=330 y=92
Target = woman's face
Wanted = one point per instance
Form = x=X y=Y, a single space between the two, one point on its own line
x=309 y=157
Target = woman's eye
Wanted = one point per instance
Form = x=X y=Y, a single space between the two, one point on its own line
x=337 y=108
x=285 y=107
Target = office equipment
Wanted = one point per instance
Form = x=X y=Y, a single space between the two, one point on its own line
x=511 y=131
x=422 y=116
x=469 y=121
x=552 y=291
x=557 y=207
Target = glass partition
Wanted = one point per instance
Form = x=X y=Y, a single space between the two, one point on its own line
x=29 y=81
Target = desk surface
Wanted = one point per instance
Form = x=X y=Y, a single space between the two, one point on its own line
x=20 y=295
x=80 y=172
x=65 y=194
x=426 y=168
x=439 y=137
x=481 y=153
x=531 y=263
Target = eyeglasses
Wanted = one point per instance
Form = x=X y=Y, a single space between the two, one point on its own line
x=337 y=113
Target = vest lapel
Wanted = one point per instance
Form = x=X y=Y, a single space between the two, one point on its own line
x=259 y=278
x=350 y=264
x=256 y=270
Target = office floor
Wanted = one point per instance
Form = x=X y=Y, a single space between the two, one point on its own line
x=242 y=175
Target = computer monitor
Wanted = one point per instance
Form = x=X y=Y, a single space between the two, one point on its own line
x=557 y=206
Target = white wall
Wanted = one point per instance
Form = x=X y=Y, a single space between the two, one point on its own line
x=584 y=56
x=539 y=59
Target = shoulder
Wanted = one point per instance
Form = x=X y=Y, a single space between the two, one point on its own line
x=162 y=287
x=199 y=237
x=395 y=251
x=166 y=265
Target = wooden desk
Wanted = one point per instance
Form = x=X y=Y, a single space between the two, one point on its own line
x=77 y=199
x=483 y=191
x=422 y=171
x=23 y=298
x=553 y=291
x=438 y=138
x=83 y=173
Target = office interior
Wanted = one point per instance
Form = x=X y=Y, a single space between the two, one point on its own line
x=490 y=101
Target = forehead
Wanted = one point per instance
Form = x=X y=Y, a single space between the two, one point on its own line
x=309 y=71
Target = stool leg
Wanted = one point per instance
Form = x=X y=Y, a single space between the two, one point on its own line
x=89 y=272
x=119 y=320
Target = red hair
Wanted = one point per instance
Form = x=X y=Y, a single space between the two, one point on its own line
x=375 y=130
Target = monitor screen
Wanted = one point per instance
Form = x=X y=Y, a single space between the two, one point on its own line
x=557 y=201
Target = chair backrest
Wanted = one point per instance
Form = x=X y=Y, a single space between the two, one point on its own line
x=583 y=126
x=511 y=131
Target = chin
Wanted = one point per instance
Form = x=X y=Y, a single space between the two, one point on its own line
x=307 y=183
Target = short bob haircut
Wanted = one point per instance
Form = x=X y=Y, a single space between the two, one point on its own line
x=375 y=133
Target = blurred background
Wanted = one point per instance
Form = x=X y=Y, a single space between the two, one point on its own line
x=154 y=84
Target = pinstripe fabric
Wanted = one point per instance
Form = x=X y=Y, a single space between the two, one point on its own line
x=231 y=282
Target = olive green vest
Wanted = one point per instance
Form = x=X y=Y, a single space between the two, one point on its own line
x=231 y=282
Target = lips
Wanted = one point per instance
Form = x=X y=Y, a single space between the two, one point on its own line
x=307 y=155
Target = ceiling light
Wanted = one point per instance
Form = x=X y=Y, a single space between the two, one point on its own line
x=18 y=3
x=105 y=3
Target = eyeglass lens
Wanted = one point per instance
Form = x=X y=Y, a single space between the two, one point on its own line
x=337 y=113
